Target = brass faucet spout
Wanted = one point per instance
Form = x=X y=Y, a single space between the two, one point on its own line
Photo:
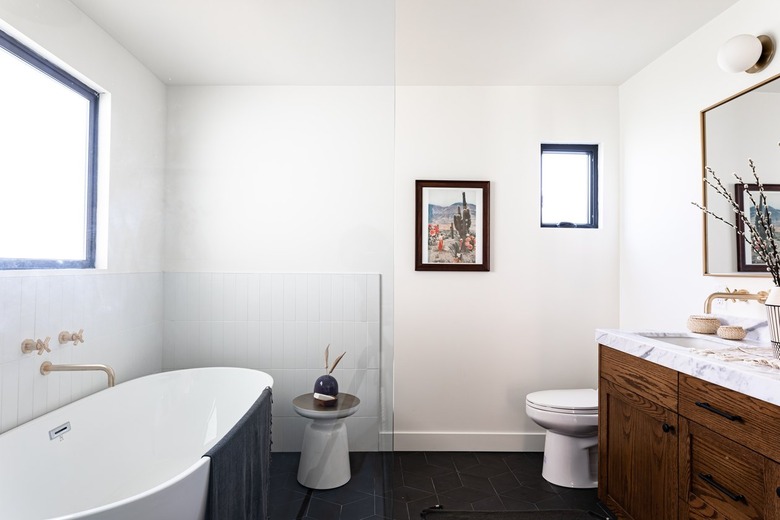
x=737 y=294
x=47 y=367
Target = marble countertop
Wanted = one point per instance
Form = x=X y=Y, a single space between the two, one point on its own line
x=761 y=382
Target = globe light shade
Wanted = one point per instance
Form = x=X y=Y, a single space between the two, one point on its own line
x=746 y=53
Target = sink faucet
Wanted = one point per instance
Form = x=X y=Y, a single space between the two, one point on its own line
x=736 y=294
x=47 y=367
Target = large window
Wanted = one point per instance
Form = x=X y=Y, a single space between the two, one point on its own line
x=48 y=163
x=570 y=185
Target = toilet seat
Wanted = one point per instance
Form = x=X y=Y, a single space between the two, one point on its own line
x=582 y=401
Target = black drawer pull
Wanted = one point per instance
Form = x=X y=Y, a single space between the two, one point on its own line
x=667 y=428
x=706 y=477
x=712 y=409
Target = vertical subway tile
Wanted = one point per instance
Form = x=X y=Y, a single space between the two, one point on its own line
x=27 y=309
x=28 y=371
x=229 y=297
x=253 y=297
x=228 y=345
x=348 y=345
x=253 y=345
x=361 y=345
x=373 y=295
x=361 y=295
x=337 y=298
x=277 y=344
x=301 y=337
x=265 y=347
x=11 y=333
x=9 y=395
x=205 y=297
x=191 y=302
x=301 y=297
x=326 y=303
x=277 y=297
x=314 y=346
x=289 y=297
x=167 y=346
x=266 y=297
x=349 y=297
x=242 y=334
x=217 y=297
x=312 y=298
x=289 y=345
x=242 y=298
x=372 y=345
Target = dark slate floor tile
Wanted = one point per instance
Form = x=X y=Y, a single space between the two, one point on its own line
x=398 y=486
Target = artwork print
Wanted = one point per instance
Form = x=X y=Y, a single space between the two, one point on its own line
x=452 y=225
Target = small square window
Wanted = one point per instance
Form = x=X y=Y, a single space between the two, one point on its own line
x=569 y=186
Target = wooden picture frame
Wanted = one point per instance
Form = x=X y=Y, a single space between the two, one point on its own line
x=452 y=225
x=747 y=260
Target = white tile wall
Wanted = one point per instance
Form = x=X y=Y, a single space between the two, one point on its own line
x=281 y=324
x=121 y=315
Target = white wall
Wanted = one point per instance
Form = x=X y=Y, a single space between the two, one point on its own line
x=297 y=180
x=119 y=308
x=661 y=280
x=470 y=346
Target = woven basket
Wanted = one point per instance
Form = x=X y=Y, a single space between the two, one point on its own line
x=703 y=324
x=731 y=332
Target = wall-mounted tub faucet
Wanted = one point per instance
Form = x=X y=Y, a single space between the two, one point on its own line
x=47 y=367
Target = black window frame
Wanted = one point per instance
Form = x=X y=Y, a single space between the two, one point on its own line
x=55 y=72
x=592 y=151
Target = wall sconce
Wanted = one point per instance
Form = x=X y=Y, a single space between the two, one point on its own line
x=747 y=53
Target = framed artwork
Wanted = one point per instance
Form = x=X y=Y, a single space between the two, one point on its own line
x=747 y=260
x=452 y=226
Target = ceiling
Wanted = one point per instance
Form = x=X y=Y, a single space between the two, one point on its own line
x=405 y=42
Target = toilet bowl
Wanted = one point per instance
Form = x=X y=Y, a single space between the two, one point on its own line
x=570 y=444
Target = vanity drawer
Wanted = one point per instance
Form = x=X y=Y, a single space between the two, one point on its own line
x=722 y=479
x=653 y=382
x=744 y=419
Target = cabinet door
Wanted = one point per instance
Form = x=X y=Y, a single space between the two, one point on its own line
x=637 y=455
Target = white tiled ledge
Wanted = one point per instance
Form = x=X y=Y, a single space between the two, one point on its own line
x=760 y=382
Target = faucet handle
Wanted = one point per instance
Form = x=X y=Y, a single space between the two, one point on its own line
x=42 y=345
x=75 y=337
x=30 y=345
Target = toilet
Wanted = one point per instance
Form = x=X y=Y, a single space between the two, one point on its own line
x=570 y=444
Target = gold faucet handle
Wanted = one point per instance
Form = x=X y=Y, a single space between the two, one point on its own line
x=30 y=345
x=43 y=345
x=75 y=337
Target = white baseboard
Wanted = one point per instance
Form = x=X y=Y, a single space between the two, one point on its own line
x=467 y=441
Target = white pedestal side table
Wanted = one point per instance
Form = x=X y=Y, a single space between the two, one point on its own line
x=324 y=460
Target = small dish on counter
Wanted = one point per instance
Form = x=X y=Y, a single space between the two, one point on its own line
x=731 y=332
x=703 y=324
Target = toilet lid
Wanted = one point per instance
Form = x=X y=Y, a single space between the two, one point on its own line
x=582 y=400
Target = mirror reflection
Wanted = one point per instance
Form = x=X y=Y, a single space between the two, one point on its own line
x=737 y=129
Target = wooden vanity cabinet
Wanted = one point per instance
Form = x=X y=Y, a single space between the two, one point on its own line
x=638 y=427
x=672 y=446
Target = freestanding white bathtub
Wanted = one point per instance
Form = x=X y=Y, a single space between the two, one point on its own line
x=134 y=451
